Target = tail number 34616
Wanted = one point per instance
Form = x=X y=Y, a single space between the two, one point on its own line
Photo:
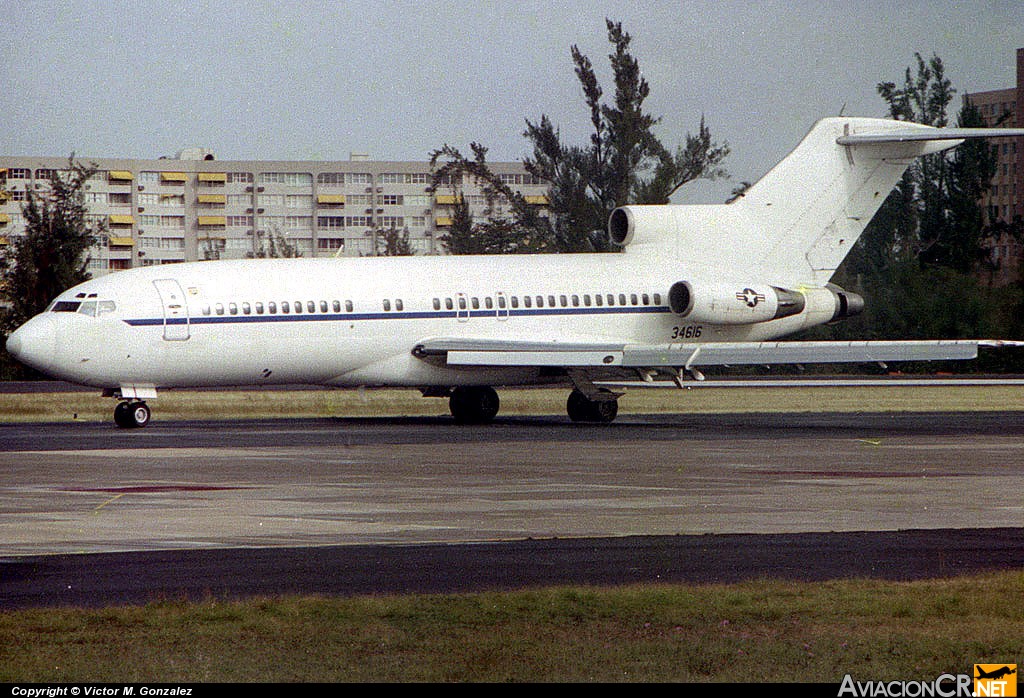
x=686 y=332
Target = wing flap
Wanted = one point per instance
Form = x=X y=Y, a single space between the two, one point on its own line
x=484 y=352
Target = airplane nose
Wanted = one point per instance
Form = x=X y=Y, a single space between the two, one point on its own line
x=34 y=343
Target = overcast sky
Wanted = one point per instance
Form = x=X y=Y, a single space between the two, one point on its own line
x=395 y=80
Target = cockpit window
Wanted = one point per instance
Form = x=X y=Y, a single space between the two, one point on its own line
x=91 y=308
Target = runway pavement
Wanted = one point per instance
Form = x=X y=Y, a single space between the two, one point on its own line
x=91 y=514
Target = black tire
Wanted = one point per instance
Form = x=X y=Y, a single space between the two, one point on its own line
x=132 y=415
x=473 y=404
x=139 y=415
x=582 y=409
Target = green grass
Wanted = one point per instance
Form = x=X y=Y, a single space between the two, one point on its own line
x=752 y=632
x=257 y=404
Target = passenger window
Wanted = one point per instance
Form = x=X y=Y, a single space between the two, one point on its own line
x=632 y=299
x=310 y=307
x=323 y=306
x=611 y=299
x=598 y=300
x=387 y=304
x=657 y=299
x=399 y=305
x=437 y=304
x=488 y=303
x=233 y=308
x=462 y=303
x=622 y=299
x=219 y=308
x=348 y=306
x=564 y=301
x=336 y=306
x=647 y=299
x=259 y=308
x=285 y=308
x=272 y=308
x=448 y=304
x=207 y=310
x=551 y=301
x=246 y=309
x=515 y=302
x=527 y=301
x=476 y=303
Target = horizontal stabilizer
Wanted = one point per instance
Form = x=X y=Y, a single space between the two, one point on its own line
x=927 y=134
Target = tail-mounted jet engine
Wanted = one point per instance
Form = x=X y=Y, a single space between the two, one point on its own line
x=738 y=304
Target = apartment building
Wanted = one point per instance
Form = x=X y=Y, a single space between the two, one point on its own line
x=194 y=207
x=1005 y=200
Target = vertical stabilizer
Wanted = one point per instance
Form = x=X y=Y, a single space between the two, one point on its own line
x=803 y=217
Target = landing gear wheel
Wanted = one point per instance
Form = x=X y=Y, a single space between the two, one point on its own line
x=473 y=405
x=131 y=415
x=582 y=409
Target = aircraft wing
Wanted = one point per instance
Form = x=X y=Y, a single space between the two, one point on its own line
x=494 y=352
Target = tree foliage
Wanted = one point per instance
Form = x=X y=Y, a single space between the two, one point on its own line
x=934 y=215
x=624 y=162
x=920 y=262
x=52 y=255
x=273 y=244
x=394 y=243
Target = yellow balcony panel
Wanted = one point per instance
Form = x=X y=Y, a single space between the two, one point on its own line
x=331 y=199
x=213 y=198
x=121 y=219
x=213 y=220
x=213 y=177
x=120 y=175
x=5 y=218
x=442 y=222
x=4 y=242
x=448 y=199
x=121 y=242
x=538 y=200
x=174 y=177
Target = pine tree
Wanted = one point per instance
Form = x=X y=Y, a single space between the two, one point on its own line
x=52 y=255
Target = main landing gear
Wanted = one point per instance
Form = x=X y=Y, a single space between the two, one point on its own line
x=479 y=405
x=601 y=409
x=131 y=414
x=473 y=404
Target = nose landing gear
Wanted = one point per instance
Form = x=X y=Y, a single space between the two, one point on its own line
x=131 y=414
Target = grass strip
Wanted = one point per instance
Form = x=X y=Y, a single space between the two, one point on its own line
x=764 y=631
x=263 y=404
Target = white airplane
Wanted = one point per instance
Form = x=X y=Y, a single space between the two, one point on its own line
x=693 y=286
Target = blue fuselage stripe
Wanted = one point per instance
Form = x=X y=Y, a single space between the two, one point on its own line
x=396 y=315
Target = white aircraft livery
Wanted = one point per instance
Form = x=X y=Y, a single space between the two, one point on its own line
x=693 y=286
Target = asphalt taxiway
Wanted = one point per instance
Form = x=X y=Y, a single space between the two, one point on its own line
x=92 y=514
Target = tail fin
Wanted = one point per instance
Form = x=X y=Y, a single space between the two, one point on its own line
x=805 y=215
x=797 y=224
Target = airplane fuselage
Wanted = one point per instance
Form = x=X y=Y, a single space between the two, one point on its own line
x=351 y=322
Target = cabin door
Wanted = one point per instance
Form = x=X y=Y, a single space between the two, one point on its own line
x=176 y=322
